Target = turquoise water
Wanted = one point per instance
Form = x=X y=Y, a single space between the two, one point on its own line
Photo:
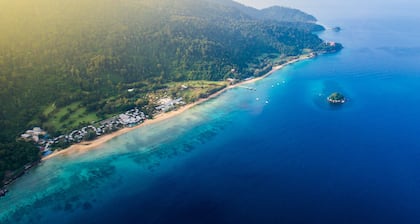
x=235 y=159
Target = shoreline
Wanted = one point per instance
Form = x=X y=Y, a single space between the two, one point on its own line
x=83 y=147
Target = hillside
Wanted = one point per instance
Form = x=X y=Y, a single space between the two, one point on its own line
x=59 y=57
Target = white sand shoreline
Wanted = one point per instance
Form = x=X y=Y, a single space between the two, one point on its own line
x=86 y=146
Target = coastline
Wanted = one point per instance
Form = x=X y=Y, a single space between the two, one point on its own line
x=83 y=147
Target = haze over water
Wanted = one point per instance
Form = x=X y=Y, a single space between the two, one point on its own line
x=288 y=157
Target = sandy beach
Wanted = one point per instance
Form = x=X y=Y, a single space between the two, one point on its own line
x=86 y=146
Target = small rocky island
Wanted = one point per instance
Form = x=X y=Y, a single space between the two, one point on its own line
x=336 y=29
x=336 y=98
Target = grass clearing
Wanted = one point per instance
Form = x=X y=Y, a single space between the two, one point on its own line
x=71 y=117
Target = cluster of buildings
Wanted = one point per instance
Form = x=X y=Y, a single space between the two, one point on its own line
x=331 y=43
x=128 y=119
x=34 y=134
x=40 y=137
x=167 y=104
x=232 y=81
x=45 y=143
x=131 y=117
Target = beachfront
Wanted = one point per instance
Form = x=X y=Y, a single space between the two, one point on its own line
x=85 y=146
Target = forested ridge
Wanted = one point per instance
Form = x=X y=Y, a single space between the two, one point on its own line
x=56 y=53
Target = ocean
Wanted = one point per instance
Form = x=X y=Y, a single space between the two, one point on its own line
x=280 y=154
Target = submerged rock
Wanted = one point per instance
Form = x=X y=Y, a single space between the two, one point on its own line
x=3 y=192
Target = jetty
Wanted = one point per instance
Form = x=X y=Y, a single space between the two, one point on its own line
x=248 y=88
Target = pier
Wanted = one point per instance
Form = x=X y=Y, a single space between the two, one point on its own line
x=248 y=88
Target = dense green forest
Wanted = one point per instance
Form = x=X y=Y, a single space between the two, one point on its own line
x=59 y=53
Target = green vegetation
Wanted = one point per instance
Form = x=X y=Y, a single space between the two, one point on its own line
x=336 y=98
x=67 y=118
x=14 y=156
x=64 y=64
x=192 y=91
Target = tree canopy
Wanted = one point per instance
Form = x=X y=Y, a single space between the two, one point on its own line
x=57 y=52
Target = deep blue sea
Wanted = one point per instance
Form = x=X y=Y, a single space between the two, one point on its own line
x=236 y=159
